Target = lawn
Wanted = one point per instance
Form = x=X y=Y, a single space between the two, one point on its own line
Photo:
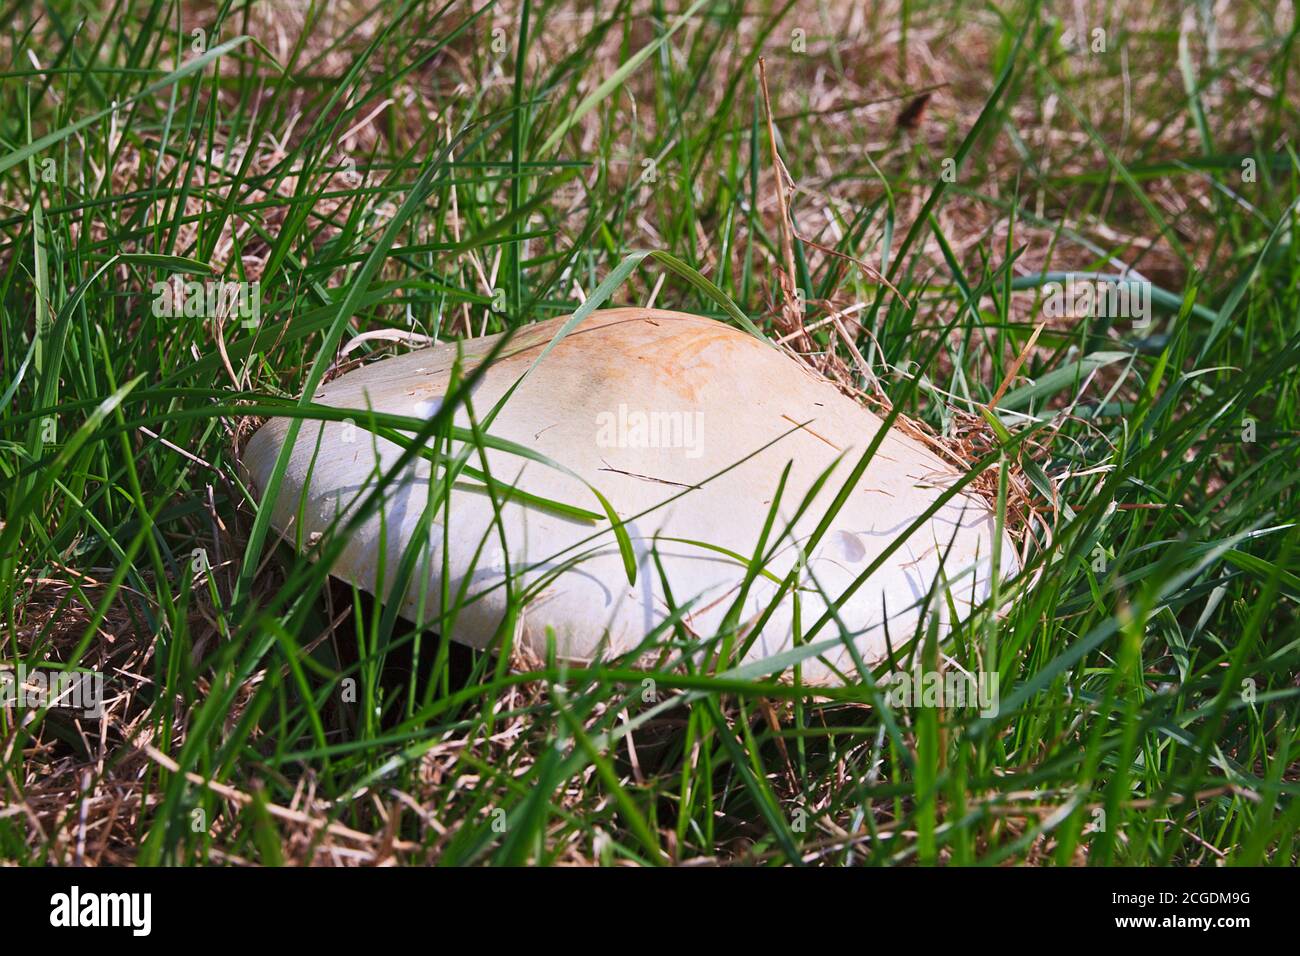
x=206 y=210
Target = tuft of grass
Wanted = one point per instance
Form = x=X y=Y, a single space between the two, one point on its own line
x=444 y=170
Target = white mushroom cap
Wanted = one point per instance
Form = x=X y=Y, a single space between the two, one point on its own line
x=647 y=407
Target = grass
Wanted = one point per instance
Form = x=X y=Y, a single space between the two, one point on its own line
x=456 y=169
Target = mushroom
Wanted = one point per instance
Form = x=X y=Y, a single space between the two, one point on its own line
x=685 y=426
